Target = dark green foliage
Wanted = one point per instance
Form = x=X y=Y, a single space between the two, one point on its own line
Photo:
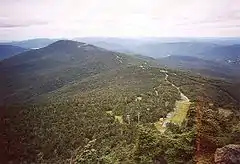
x=175 y=148
x=40 y=71
x=92 y=108
x=74 y=124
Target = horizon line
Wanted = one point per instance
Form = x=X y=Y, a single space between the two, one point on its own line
x=124 y=37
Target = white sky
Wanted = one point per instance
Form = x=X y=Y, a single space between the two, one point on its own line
x=22 y=19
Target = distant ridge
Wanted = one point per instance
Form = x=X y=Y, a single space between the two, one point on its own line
x=7 y=51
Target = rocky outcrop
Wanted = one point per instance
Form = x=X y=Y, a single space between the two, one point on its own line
x=229 y=154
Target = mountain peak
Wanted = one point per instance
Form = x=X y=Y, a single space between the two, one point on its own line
x=67 y=43
x=70 y=45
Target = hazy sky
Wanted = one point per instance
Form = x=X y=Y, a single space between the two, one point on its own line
x=22 y=19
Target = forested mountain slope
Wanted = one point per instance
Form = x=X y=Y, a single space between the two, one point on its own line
x=90 y=105
x=32 y=43
x=39 y=71
x=6 y=51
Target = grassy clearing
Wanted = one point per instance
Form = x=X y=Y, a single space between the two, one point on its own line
x=119 y=118
x=177 y=117
x=180 y=114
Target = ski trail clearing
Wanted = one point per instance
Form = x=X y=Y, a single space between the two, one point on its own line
x=178 y=115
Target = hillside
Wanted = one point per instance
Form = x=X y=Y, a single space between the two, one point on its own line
x=114 y=117
x=154 y=47
x=160 y=46
x=202 y=66
x=211 y=51
x=210 y=56
x=6 y=51
x=72 y=102
x=32 y=43
x=158 y=50
x=226 y=54
x=43 y=70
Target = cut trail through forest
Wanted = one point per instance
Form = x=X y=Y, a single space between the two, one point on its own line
x=178 y=115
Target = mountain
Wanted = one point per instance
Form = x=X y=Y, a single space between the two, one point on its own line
x=32 y=43
x=73 y=102
x=216 y=49
x=116 y=115
x=45 y=69
x=202 y=66
x=122 y=45
x=153 y=47
x=158 y=50
x=226 y=54
x=219 y=59
x=7 y=51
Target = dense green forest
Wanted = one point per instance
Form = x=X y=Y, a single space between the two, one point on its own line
x=109 y=115
x=75 y=124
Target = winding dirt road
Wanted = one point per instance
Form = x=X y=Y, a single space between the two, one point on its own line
x=178 y=115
